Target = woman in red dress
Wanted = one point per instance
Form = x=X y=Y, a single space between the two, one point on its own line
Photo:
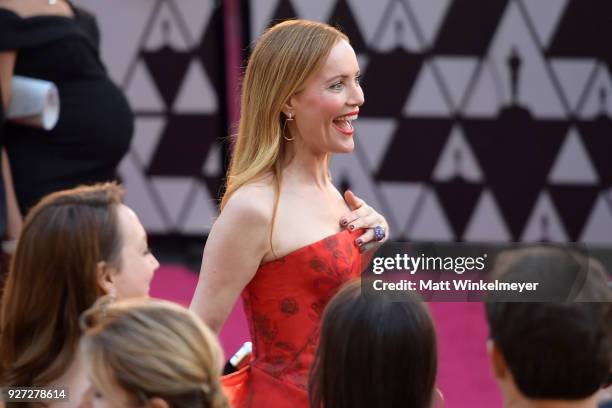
x=286 y=239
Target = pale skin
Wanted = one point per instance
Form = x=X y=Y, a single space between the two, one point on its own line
x=137 y=264
x=310 y=207
x=25 y=9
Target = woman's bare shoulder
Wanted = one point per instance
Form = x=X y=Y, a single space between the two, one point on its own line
x=23 y=8
x=30 y=8
x=253 y=200
x=9 y=5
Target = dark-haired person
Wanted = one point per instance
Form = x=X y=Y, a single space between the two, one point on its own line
x=76 y=245
x=374 y=353
x=558 y=353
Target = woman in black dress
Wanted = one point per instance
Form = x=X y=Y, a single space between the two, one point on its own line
x=56 y=41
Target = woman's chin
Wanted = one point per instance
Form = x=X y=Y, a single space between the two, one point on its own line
x=346 y=147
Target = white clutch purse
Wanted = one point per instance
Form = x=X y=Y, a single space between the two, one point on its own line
x=34 y=102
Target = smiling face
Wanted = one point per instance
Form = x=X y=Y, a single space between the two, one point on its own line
x=137 y=262
x=327 y=104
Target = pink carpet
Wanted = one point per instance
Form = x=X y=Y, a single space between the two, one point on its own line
x=463 y=374
x=177 y=283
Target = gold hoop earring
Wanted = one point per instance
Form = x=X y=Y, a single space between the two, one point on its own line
x=289 y=118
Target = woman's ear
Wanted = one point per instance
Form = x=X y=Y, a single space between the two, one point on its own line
x=289 y=108
x=496 y=359
x=105 y=275
x=157 y=403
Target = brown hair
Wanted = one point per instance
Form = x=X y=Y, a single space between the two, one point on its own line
x=557 y=345
x=52 y=280
x=374 y=352
x=152 y=348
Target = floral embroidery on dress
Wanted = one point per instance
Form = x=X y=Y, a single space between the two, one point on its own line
x=318 y=265
x=289 y=306
x=264 y=327
x=332 y=246
x=283 y=304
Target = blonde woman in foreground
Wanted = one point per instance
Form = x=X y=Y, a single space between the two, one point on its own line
x=150 y=353
x=286 y=239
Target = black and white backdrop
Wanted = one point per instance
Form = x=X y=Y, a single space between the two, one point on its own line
x=484 y=119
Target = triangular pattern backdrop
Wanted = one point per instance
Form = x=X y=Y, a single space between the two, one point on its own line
x=174 y=77
x=484 y=119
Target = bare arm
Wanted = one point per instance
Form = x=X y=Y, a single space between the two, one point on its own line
x=7 y=64
x=15 y=220
x=13 y=214
x=235 y=247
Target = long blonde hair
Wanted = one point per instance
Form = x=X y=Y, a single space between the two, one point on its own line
x=285 y=56
x=152 y=348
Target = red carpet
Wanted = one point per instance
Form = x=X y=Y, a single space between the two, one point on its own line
x=463 y=375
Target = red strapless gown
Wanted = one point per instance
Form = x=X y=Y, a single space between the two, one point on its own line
x=283 y=305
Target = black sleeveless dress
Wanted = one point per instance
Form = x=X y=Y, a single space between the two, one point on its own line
x=95 y=124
